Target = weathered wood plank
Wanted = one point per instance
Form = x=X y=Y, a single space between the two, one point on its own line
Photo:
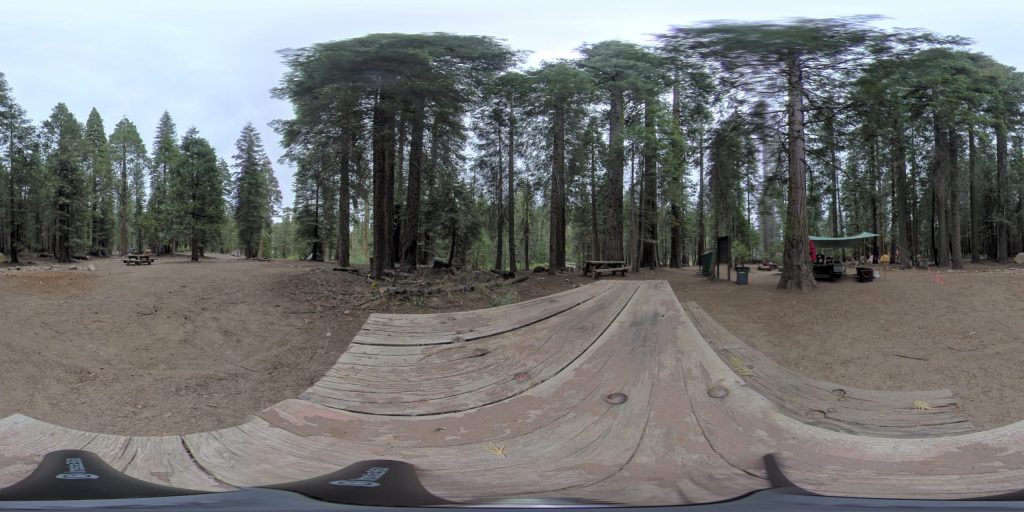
x=450 y=378
x=560 y=437
x=834 y=406
x=24 y=441
x=744 y=426
x=164 y=460
x=443 y=327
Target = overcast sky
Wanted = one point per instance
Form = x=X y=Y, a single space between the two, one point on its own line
x=211 y=64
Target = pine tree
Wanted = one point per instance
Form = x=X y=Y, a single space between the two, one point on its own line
x=99 y=180
x=129 y=158
x=165 y=157
x=196 y=193
x=16 y=141
x=253 y=197
x=62 y=136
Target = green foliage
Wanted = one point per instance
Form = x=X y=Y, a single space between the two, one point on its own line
x=196 y=188
x=253 y=195
x=128 y=154
x=62 y=139
x=20 y=163
x=99 y=175
x=166 y=155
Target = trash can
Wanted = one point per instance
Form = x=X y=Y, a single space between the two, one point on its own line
x=705 y=263
x=741 y=274
x=865 y=274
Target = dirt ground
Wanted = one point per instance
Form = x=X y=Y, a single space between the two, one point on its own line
x=179 y=347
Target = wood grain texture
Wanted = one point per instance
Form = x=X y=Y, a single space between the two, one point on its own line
x=834 y=406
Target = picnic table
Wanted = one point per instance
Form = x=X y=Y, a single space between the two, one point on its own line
x=600 y=267
x=138 y=259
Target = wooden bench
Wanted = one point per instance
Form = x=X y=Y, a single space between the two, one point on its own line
x=598 y=272
x=138 y=259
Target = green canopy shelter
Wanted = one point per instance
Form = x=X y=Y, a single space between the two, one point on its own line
x=829 y=268
x=846 y=242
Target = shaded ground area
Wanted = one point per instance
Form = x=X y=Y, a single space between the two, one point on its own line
x=178 y=347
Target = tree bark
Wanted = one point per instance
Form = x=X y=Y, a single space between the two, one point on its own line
x=876 y=181
x=556 y=239
x=122 y=199
x=1002 y=189
x=527 y=209
x=972 y=171
x=676 y=238
x=940 y=184
x=12 y=207
x=956 y=250
x=390 y=159
x=499 y=205
x=616 y=166
x=595 y=238
x=902 y=210
x=511 y=191
x=833 y=161
x=648 y=232
x=796 y=271
x=12 y=203
x=767 y=210
x=381 y=221
x=344 y=198
x=411 y=224
x=701 y=234
x=317 y=252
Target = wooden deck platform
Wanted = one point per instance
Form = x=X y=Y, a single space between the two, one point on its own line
x=607 y=392
x=835 y=406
